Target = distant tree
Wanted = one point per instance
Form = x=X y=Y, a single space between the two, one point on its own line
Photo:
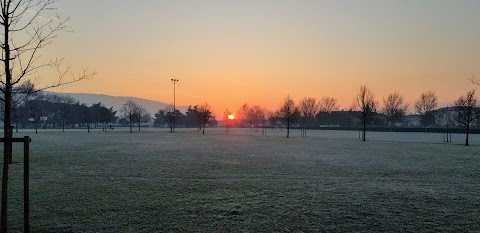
x=65 y=109
x=192 y=117
x=448 y=117
x=160 y=118
x=272 y=118
x=308 y=108
x=241 y=115
x=212 y=122
x=326 y=106
x=140 y=114
x=146 y=117
x=466 y=107
x=364 y=107
x=34 y=108
x=87 y=116
x=129 y=109
x=394 y=108
x=205 y=114
x=255 y=116
x=227 y=123
x=287 y=112
x=24 y=93
x=169 y=114
x=424 y=107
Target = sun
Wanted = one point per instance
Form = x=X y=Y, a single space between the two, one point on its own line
x=231 y=117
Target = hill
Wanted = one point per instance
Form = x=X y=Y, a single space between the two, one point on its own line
x=117 y=101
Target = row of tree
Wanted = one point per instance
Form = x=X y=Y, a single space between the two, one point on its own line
x=198 y=116
x=37 y=109
x=310 y=112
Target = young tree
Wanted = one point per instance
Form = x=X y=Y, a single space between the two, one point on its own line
x=27 y=27
x=448 y=117
x=226 y=119
x=394 y=107
x=364 y=107
x=287 y=112
x=466 y=107
x=205 y=114
x=140 y=113
x=308 y=109
x=129 y=110
x=424 y=106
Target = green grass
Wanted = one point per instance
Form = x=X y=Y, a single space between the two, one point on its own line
x=154 y=181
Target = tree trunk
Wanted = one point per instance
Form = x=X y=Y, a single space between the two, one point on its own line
x=288 y=127
x=468 y=129
x=364 y=129
x=7 y=132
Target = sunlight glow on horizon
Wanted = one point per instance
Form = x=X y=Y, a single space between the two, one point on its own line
x=228 y=53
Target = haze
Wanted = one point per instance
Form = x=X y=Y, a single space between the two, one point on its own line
x=231 y=52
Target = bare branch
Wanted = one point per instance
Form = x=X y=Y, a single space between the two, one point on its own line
x=473 y=79
x=66 y=77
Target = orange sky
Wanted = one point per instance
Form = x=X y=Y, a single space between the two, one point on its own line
x=231 y=52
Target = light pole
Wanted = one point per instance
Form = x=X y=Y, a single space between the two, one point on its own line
x=173 y=114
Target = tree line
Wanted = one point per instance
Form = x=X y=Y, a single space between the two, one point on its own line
x=45 y=110
x=365 y=111
x=197 y=116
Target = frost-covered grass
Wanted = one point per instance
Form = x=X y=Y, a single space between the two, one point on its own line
x=154 y=181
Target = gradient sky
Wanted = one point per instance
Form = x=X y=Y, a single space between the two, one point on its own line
x=259 y=51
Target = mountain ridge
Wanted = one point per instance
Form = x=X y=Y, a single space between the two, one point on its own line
x=117 y=102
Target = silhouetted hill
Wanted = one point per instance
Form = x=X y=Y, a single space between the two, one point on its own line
x=117 y=101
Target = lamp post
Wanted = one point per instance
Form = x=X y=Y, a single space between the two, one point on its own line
x=173 y=114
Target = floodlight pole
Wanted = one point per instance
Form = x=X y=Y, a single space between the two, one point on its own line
x=174 y=112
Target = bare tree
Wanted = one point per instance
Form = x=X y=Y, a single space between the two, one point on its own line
x=448 y=116
x=308 y=108
x=326 y=106
x=205 y=112
x=424 y=106
x=241 y=114
x=472 y=78
x=28 y=27
x=272 y=118
x=255 y=117
x=394 y=107
x=287 y=112
x=364 y=107
x=140 y=114
x=226 y=119
x=466 y=107
x=129 y=109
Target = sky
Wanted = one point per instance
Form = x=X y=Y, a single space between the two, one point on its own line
x=228 y=53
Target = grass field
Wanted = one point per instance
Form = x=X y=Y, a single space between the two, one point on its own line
x=154 y=181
